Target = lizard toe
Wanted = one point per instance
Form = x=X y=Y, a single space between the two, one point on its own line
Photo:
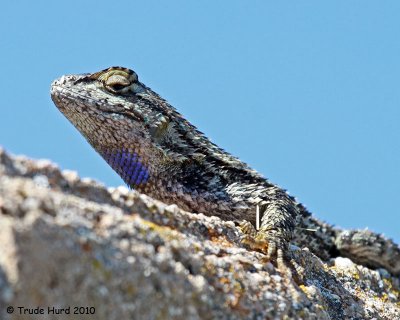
x=275 y=248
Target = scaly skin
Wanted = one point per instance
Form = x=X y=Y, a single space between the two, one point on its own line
x=158 y=152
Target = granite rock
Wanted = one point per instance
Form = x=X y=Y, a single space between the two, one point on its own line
x=70 y=245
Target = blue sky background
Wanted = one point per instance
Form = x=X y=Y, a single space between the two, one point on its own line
x=306 y=92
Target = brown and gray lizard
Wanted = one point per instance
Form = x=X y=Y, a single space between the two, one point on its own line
x=158 y=152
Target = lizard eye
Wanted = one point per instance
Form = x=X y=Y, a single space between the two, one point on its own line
x=116 y=83
x=116 y=79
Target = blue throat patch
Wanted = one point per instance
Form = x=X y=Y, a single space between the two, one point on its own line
x=128 y=165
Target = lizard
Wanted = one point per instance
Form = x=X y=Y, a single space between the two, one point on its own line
x=156 y=151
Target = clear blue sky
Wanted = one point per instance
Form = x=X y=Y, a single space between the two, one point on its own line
x=306 y=92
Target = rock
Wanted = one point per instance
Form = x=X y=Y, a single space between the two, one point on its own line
x=71 y=245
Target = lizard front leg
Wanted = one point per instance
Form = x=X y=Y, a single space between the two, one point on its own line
x=275 y=232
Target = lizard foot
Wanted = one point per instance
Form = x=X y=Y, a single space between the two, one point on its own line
x=274 y=245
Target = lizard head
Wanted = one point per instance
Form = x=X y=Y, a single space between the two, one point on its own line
x=131 y=126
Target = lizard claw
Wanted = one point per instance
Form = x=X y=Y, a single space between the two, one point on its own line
x=273 y=245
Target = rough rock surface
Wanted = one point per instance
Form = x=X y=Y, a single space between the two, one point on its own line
x=71 y=242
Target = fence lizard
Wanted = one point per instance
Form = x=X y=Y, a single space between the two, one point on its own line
x=158 y=152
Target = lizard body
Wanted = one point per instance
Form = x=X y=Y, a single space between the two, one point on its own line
x=157 y=151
